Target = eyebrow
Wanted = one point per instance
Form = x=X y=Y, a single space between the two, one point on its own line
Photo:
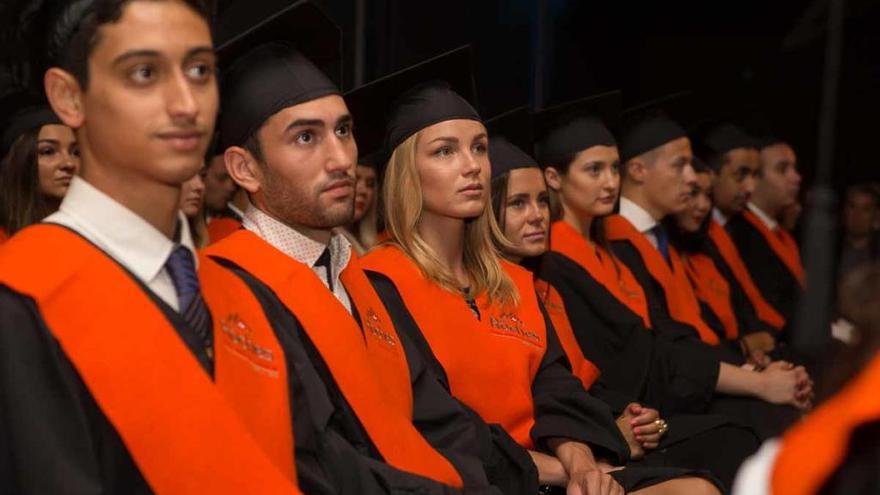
x=155 y=53
x=50 y=141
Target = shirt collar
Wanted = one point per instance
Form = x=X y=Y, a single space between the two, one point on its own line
x=769 y=221
x=120 y=232
x=235 y=209
x=719 y=217
x=294 y=244
x=641 y=219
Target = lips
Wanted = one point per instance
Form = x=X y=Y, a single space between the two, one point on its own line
x=535 y=236
x=340 y=188
x=472 y=189
x=183 y=140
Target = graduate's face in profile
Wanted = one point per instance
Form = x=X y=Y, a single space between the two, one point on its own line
x=192 y=195
x=667 y=179
x=57 y=159
x=151 y=102
x=699 y=203
x=735 y=181
x=308 y=176
x=526 y=212
x=219 y=186
x=365 y=191
x=452 y=161
x=779 y=181
x=590 y=186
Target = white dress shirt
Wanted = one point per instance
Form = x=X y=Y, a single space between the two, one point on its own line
x=641 y=219
x=302 y=249
x=766 y=219
x=719 y=217
x=123 y=235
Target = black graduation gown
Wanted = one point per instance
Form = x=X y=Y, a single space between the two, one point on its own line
x=55 y=438
x=562 y=407
x=778 y=285
x=637 y=365
x=437 y=416
x=765 y=419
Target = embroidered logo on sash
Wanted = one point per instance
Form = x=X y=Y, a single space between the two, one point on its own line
x=510 y=324
x=240 y=338
x=373 y=325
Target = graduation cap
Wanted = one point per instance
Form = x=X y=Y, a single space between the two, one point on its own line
x=713 y=141
x=389 y=110
x=568 y=128
x=652 y=124
x=266 y=61
x=511 y=141
x=24 y=112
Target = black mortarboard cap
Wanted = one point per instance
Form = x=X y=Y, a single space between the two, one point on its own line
x=516 y=126
x=407 y=101
x=24 y=112
x=718 y=139
x=648 y=126
x=506 y=156
x=511 y=141
x=267 y=67
x=571 y=127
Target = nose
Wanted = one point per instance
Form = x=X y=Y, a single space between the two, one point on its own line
x=688 y=175
x=198 y=184
x=749 y=184
x=472 y=165
x=795 y=177
x=180 y=100
x=535 y=214
x=69 y=162
x=341 y=155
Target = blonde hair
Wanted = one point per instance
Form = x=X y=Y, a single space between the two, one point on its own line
x=402 y=194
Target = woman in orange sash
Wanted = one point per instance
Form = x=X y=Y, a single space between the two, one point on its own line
x=478 y=316
x=520 y=200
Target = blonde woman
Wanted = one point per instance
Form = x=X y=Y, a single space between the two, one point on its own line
x=477 y=317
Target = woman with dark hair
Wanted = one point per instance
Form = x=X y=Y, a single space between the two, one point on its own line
x=607 y=306
x=521 y=203
x=476 y=316
x=40 y=157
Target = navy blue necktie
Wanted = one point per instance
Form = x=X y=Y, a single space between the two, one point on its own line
x=191 y=306
x=662 y=241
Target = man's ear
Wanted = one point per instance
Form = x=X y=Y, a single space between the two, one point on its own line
x=243 y=168
x=65 y=96
x=635 y=170
x=553 y=178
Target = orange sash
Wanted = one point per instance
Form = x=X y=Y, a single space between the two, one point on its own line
x=812 y=450
x=782 y=244
x=490 y=362
x=381 y=399
x=221 y=227
x=711 y=288
x=615 y=276
x=730 y=253
x=182 y=431
x=581 y=367
x=680 y=299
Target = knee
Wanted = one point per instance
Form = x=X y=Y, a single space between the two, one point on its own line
x=699 y=486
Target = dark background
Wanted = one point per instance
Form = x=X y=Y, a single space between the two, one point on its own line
x=763 y=56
